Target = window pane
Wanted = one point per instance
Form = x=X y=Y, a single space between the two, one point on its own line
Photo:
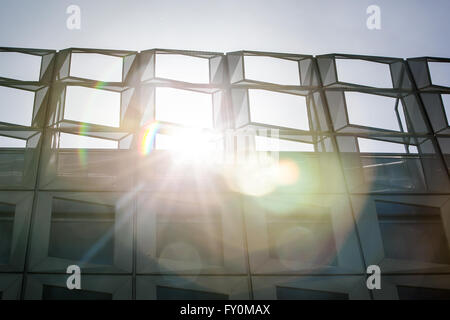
x=377 y=146
x=306 y=238
x=78 y=227
x=191 y=243
x=182 y=68
x=401 y=114
x=446 y=102
x=7 y=142
x=92 y=106
x=96 y=67
x=68 y=141
x=60 y=293
x=420 y=293
x=278 y=109
x=365 y=73
x=6 y=231
x=193 y=109
x=16 y=106
x=284 y=293
x=273 y=144
x=273 y=70
x=440 y=73
x=167 y=293
x=371 y=110
x=20 y=66
x=412 y=232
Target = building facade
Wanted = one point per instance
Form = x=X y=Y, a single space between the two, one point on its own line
x=168 y=174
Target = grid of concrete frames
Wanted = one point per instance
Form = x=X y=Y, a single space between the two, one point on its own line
x=362 y=175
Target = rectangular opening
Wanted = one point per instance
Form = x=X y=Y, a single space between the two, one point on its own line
x=385 y=173
x=12 y=164
x=378 y=146
x=440 y=73
x=194 y=143
x=189 y=108
x=446 y=103
x=61 y=293
x=304 y=238
x=180 y=238
x=285 y=293
x=278 y=109
x=365 y=73
x=272 y=70
x=282 y=145
x=75 y=141
x=165 y=142
x=168 y=293
x=421 y=293
x=8 y=142
x=180 y=67
x=82 y=231
x=20 y=66
x=401 y=114
x=95 y=66
x=94 y=166
x=94 y=106
x=7 y=212
x=17 y=106
x=371 y=110
x=412 y=232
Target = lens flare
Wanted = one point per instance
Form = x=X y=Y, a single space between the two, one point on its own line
x=100 y=85
x=288 y=172
x=250 y=180
x=191 y=145
x=82 y=153
x=174 y=253
x=148 y=137
x=259 y=179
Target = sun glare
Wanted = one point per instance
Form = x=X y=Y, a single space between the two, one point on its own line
x=185 y=144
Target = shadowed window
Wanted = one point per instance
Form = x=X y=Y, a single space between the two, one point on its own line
x=196 y=240
x=82 y=231
x=307 y=237
x=412 y=232
x=167 y=293
x=6 y=231
x=420 y=293
x=284 y=293
x=60 y=293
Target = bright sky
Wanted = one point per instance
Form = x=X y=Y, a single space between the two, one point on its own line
x=408 y=27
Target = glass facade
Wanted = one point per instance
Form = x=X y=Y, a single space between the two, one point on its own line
x=170 y=174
